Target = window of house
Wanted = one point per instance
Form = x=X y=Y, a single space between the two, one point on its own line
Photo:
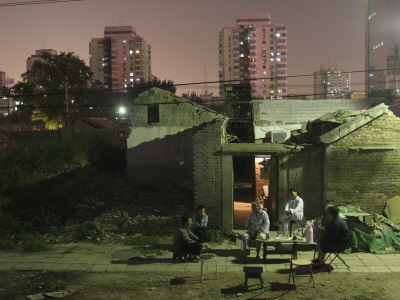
x=153 y=114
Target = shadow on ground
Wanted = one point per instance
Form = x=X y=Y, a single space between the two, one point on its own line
x=252 y=260
x=240 y=289
x=142 y=261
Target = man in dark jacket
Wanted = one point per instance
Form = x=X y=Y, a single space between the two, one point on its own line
x=185 y=241
x=335 y=237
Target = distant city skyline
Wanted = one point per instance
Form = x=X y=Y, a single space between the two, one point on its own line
x=184 y=34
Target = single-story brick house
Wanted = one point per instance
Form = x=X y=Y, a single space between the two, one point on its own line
x=345 y=157
x=176 y=140
x=342 y=158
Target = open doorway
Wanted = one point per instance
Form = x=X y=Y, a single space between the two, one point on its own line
x=243 y=189
x=254 y=179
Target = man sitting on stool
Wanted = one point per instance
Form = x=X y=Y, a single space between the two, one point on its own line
x=335 y=238
x=186 y=242
x=293 y=210
x=199 y=227
x=258 y=225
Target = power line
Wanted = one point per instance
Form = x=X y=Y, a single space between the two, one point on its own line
x=76 y=93
x=24 y=3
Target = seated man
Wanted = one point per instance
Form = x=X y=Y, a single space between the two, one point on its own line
x=293 y=210
x=186 y=242
x=258 y=225
x=335 y=238
x=199 y=227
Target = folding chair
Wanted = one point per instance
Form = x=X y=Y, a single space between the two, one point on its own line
x=301 y=262
x=336 y=254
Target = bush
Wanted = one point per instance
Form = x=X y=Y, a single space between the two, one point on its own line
x=143 y=240
x=16 y=235
x=216 y=235
x=34 y=243
x=89 y=232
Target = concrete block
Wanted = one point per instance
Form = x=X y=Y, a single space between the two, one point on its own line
x=379 y=269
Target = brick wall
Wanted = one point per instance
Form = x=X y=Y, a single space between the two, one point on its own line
x=207 y=175
x=368 y=176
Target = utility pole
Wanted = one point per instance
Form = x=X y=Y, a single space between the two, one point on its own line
x=66 y=100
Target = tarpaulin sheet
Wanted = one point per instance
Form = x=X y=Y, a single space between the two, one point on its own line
x=370 y=242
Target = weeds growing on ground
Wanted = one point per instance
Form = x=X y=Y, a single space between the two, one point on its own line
x=216 y=235
x=149 y=244
x=143 y=240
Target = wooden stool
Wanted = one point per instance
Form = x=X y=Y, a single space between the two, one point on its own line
x=205 y=257
x=253 y=272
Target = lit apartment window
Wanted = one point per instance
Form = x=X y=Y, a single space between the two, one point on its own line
x=130 y=51
x=124 y=42
x=278 y=35
x=137 y=51
x=242 y=55
x=131 y=74
x=265 y=73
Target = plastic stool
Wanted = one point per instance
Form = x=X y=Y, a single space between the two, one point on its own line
x=205 y=257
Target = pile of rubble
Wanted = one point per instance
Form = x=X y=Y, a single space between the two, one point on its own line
x=373 y=233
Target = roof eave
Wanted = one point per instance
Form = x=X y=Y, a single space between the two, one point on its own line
x=352 y=125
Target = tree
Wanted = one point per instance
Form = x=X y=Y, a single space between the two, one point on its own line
x=192 y=96
x=141 y=87
x=53 y=87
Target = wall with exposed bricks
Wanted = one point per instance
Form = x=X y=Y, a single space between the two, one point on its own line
x=363 y=168
x=207 y=175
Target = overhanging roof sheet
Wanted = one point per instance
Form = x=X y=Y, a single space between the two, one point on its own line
x=279 y=112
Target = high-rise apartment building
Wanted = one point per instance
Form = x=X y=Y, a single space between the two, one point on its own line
x=331 y=83
x=38 y=56
x=254 y=51
x=2 y=80
x=121 y=58
x=382 y=41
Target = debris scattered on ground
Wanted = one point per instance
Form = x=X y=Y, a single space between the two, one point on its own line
x=177 y=281
x=36 y=297
x=60 y=294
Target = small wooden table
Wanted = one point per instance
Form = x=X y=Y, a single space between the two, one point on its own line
x=353 y=216
x=277 y=245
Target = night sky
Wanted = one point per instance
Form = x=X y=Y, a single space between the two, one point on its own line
x=184 y=33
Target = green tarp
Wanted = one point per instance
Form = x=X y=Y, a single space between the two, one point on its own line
x=370 y=242
x=386 y=242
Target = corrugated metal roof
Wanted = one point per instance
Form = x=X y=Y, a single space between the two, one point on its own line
x=276 y=112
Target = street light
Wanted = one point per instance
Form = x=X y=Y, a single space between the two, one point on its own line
x=122 y=110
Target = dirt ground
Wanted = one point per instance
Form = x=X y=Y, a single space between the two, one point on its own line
x=143 y=285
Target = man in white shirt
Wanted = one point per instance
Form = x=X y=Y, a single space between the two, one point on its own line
x=294 y=210
x=258 y=226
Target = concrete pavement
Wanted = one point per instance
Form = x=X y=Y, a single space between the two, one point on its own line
x=115 y=258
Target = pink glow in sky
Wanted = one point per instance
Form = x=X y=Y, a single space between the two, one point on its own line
x=184 y=33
